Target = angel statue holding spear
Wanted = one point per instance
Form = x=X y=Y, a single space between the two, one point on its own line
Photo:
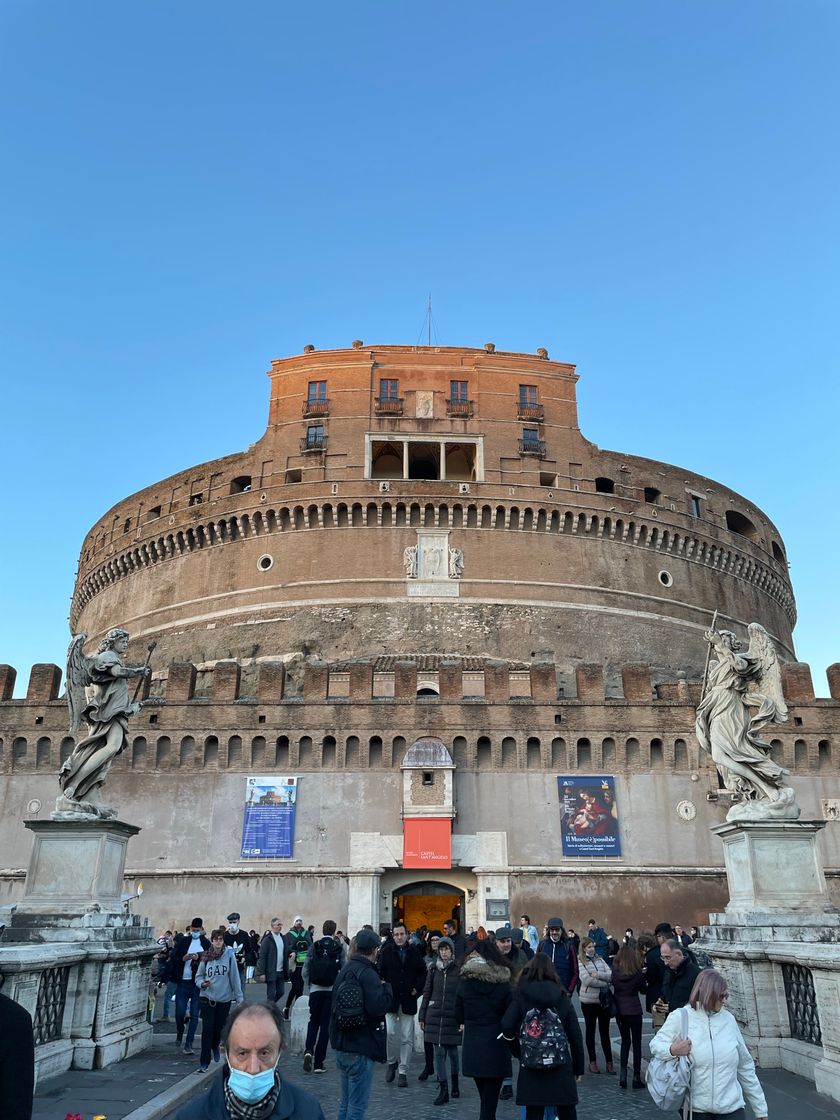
x=97 y=691
x=735 y=683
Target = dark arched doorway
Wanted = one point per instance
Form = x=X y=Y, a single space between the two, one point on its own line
x=427 y=903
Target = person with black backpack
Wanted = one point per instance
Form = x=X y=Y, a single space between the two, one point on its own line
x=360 y=1000
x=542 y=1020
x=323 y=963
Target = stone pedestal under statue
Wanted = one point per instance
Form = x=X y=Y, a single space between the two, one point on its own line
x=75 y=866
x=778 y=944
x=72 y=954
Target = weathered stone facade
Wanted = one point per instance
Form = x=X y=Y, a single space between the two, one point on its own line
x=423 y=544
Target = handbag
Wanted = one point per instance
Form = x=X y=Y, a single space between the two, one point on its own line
x=669 y=1079
x=607 y=1000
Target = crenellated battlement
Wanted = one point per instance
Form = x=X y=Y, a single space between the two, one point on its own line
x=360 y=714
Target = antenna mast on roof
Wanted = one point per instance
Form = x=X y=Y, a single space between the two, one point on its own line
x=428 y=329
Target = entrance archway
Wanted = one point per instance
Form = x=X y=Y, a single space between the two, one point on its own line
x=427 y=903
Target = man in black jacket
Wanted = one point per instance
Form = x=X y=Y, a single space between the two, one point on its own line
x=558 y=949
x=183 y=965
x=17 y=1060
x=450 y=930
x=655 y=974
x=680 y=974
x=402 y=966
x=356 y=1050
x=240 y=942
x=271 y=962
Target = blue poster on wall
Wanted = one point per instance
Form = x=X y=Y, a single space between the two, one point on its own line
x=268 y=830
x=588 y=816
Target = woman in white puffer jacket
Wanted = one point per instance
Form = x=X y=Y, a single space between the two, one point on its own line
x=722 y=1068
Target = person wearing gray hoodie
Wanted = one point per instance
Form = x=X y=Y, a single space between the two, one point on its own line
x=217 y=980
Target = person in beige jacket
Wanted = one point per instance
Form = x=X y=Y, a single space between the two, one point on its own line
x=595 y=978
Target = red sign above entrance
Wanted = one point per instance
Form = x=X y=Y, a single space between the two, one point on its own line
x=427 y=842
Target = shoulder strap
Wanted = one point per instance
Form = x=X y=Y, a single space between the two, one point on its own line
x=684 y=1022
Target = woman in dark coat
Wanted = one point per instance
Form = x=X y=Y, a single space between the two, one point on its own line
x=482 y=997
x=540 y=987
x=628 y=981
x=431 y=944
x=438 y=1020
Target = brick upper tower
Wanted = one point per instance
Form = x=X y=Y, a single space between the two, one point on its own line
x=529 y=540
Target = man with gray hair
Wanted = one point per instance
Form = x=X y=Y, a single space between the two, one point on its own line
x=271 y=963
x=680 y=973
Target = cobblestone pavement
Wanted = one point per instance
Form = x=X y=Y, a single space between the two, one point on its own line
x=789 y=1097
x=153 y=1085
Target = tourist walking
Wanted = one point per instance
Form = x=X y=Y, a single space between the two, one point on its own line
x=359 y=1039
x=722 y=1068
x=439 y=1021
x=17 y=1059
x=239 y=941
x=539 y=989
x=184 y=960
x=679 y=975
x=401 y=965
x=325 y=960
x=655 y=974
x=432 y=941
x=559 y=951
x=298 y=944
x=483 y=995
x=628 y=981
x=249 y=1084
x=595 y=1003
x=271 y=962
x=219 y=985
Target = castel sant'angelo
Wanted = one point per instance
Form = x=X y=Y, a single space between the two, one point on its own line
x=425 y=596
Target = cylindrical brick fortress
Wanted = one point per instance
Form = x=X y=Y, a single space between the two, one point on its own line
x=299 y=543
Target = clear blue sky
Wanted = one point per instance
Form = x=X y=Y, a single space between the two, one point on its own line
x=648 y=189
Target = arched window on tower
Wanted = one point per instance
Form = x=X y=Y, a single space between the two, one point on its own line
x=375 y=751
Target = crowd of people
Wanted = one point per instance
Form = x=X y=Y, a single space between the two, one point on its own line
x=487 y=1002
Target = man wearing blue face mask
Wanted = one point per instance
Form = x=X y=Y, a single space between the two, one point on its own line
x=183 y=965
x=250 y=1086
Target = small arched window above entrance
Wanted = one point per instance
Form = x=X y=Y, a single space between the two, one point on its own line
x=427 y=754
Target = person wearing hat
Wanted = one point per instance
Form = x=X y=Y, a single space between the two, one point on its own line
x=438 y=1019
x=357 y=1049
x=558 y=949
x=514 y=953
x=239 y=941
x=298 y=944
x=520 y=941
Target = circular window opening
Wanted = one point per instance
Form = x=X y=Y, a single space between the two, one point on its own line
x=265 y=562
x=666 y=579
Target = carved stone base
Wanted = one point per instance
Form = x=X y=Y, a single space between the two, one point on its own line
x=67 y=809
x=773 y=865
x=781 y=808
x=76 y=866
